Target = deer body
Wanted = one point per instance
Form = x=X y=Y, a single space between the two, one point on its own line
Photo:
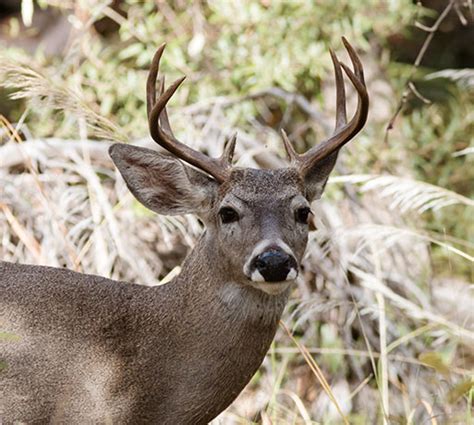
x=85 y=349
x=147 y=362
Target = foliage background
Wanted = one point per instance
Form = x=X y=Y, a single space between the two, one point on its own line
x=384 y=305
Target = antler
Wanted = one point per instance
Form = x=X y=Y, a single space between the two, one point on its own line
x=160 y=128
x=343 y=131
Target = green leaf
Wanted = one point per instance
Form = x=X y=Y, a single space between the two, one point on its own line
x=5 y=336
x=434 y=360
x=455 y=393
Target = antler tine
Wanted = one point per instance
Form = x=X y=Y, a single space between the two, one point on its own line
x=359 y=69
x=151 y=80
x=344 y=131
x=341 y=114
x=290 y=150
x=160 y=128
x=229 y=148
x=163 y=119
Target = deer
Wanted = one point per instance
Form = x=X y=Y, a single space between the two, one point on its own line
x=88 y=349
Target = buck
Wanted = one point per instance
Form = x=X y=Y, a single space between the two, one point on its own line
x=93 y=350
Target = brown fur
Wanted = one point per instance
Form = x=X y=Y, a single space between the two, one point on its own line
x=93 y=350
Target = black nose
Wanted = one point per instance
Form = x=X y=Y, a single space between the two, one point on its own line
x=274 y=265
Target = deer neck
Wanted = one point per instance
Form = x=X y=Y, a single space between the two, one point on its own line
x=225 y=329
x=209 y=281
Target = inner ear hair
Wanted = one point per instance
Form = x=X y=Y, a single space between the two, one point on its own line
x=161 y=182
x=317 y=177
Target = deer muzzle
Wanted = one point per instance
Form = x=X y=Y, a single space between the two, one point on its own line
x=272 y=264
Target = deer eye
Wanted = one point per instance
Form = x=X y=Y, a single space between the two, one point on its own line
x=228 y=215
x=302 y=214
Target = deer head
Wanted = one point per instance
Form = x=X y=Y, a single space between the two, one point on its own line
x=256 y=220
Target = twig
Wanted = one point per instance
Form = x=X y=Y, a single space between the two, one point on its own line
x=409 y=86
x=317 y=372
x=288 y=97
x=15 y=136
x=415 y=91
x=383 y=360
x=26 y=237
x=349 y=352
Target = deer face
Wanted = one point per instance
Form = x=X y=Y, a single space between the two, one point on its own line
x=260 y=224
x=256 y=219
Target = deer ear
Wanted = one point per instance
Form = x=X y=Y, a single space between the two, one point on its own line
x=162 y=183
x=316 y=179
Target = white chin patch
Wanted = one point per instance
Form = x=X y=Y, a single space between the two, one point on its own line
x=257 y=277
x=272 y=288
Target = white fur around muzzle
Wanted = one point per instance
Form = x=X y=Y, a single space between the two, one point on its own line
x=256 y=276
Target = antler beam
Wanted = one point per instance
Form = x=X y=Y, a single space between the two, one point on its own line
x=161 y=132
x=344 y=131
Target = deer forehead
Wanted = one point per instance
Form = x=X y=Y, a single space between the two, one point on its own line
x=253 y=185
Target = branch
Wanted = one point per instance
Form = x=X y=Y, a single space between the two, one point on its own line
x=409 y=86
